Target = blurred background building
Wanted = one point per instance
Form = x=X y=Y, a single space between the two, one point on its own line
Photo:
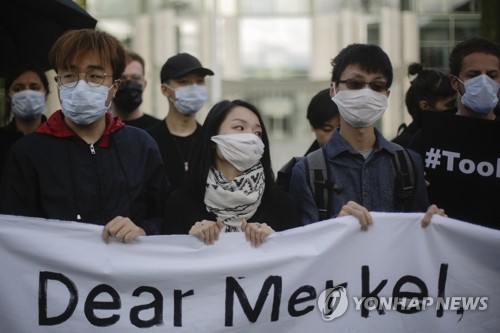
x=276 y=53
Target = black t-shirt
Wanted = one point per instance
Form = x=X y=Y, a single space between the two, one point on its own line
x=145 y=121
x=175 y=151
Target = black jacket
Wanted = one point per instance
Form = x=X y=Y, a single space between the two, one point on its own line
x=183 y=209
x=8 y=136
x=54 y=174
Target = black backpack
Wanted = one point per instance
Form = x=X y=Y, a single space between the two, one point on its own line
x=321 y=186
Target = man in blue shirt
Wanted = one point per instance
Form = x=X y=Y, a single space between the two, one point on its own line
x=358 y=158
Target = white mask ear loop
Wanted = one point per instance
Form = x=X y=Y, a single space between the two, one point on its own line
x=171 y=88
x=463 y=83
x=110 y=102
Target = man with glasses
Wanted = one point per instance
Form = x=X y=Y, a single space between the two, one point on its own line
x=128 y=98
x=359 y=160
x=83 y=164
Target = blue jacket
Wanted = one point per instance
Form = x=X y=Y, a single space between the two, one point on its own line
x=371 y=182
x=54 y=174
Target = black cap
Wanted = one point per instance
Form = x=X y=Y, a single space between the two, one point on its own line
x=180 y=65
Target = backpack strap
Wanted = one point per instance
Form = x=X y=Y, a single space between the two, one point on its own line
x=285 y=173
x=318 y=181
x=405 y=178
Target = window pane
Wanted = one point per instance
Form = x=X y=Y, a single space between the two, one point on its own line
x=466 y=28
x=267 y=7
x=435 y=57
x=282 y=53
x=434 y=30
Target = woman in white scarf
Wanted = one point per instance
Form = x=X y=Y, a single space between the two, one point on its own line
x=231 y=180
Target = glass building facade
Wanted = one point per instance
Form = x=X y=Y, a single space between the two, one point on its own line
x=276 y=53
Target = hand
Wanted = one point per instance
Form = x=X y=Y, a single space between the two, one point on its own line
x=255 y=232
x=123 y=229
x=358 y=211
x=207 y=231
x=433 y=209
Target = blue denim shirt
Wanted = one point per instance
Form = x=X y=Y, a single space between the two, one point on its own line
x=370 y=182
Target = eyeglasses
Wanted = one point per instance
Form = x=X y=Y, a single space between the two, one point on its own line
x=378 y=86
x=94 y=78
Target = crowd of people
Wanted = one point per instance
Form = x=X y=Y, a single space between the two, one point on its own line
x=103 y=160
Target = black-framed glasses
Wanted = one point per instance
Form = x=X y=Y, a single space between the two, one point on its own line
x=94 y=78
x=353 y=84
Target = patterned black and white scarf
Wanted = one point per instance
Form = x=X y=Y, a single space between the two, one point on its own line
x=233 y=201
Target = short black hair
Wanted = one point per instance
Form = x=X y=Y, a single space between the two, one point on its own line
x=321 y=109
x=429 y=85
x=471 y=45
x=370 y=58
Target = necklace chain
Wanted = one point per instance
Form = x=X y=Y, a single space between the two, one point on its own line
x=179 y=150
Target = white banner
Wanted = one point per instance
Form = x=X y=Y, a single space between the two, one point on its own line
x=61 y=277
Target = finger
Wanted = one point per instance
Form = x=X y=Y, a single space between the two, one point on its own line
x=361 y=213
x=219 y=222
x=199 y=233
x=248 y=230
x=363 y=217
x=427 y=219
x=133 y=234
x=123 y=227
x=192 y=230
x=219 y=225
x=255 y=235
x=109 y=228
x=105 y=235
x=263 y=235
x=206 y=234
x=212 y=234
x=122 y=232
x=114 y=221
x=433 y=209
x=263 y=232
x=244 y=225
x=195 y=228
x=251 y=237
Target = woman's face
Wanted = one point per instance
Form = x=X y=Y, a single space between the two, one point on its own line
x=26 y=81
x=241 y=120
x=238 y=121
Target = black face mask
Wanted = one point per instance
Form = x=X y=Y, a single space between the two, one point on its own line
x=129 y=96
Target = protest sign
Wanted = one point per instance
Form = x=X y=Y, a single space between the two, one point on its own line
x=329 y=276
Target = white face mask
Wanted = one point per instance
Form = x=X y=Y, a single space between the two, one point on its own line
x=243 y=151
x=84 y=104
x=360 y=108
x=481 y=94
x=28 y=104
x=190 y=99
